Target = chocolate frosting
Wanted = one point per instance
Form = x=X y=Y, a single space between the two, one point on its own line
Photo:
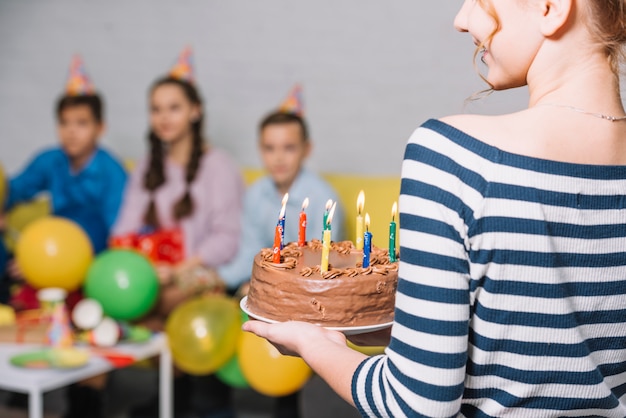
x=346 y=295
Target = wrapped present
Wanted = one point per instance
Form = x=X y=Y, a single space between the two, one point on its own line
x=127 y=242
x=165 y=246
x=29 y=327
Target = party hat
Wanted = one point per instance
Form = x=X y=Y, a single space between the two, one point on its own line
x=78 y=83
x=183 y=69
x=59 y=331
x=293 y=103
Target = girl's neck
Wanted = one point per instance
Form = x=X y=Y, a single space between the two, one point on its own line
x=579 y=82
x=179 y=151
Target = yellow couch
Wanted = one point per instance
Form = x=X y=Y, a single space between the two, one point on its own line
x=380 y=193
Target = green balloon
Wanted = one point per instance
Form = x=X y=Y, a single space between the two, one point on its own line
x=244 y=317
x=231 y=374
x=124 y=282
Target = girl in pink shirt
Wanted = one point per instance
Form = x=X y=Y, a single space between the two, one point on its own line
x=183 y=184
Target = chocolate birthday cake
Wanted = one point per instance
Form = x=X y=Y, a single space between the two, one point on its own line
x=347 y=295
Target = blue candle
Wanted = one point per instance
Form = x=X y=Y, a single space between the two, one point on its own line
x=281 y=220
x=367 y=242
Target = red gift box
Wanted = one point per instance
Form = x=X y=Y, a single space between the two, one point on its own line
x=163 y=246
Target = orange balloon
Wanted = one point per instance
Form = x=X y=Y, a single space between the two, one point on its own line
x=54 y=252
x=267 y=371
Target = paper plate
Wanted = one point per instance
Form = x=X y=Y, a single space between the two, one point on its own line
x=51 y=358
x=363 y=329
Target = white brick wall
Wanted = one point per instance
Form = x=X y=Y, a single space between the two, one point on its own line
x=372 y=70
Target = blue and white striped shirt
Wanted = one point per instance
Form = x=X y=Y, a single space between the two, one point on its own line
x=512 y=291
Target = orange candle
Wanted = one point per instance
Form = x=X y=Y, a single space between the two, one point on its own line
x=277 y=240
x=302 y=230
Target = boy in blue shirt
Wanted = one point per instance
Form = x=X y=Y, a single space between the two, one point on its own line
x=84 y=182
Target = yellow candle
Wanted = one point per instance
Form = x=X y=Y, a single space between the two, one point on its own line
x=360 y=203
x=325 y=250
x=326 y=238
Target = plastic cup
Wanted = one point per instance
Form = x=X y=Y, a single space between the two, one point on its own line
x=48 y=298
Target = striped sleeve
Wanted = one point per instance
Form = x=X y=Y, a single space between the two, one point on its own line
x=423 y=370
x=512 y=287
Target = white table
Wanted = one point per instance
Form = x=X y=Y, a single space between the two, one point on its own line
x=35 y=382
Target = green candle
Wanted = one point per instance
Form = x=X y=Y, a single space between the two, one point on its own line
x=329 y=204
x=392 y=233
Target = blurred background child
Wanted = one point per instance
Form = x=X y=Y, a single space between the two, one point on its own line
x=284 y=146
x=187 y=185
x=84 y=182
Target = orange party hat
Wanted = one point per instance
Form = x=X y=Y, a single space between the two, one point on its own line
x=183 y=69
x=293 y=103
x=78 y=83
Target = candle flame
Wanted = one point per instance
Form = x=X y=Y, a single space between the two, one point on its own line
x=394 y=211
x=285 y=199
x=329 y=204
x=282 y=212
x=360 y=202
x=367 y=222
x=305 y=204
x=331 y=213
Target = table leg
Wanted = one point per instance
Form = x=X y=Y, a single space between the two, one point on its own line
x=166 y=407
x=35 y=404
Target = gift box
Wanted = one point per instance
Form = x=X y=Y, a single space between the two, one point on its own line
x=29 y=327
x=161 y=246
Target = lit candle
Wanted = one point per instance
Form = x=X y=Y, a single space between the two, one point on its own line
x=276 y=255
x=367 y=242
x=326 y=238
x=281 y=220
x=360 y=203
x=329 y=204
x=392 y=233
x=302 y=230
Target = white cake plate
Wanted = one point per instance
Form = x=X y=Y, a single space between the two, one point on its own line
x=363 y=329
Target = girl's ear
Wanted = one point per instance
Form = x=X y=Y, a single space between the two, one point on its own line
x=556 y=13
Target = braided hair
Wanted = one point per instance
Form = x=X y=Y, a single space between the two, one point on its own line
x=154 y=176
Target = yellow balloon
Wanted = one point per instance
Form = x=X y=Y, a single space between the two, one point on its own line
x=203 y=333
x=22 y=215
x=267 y=371
x=54 y=252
